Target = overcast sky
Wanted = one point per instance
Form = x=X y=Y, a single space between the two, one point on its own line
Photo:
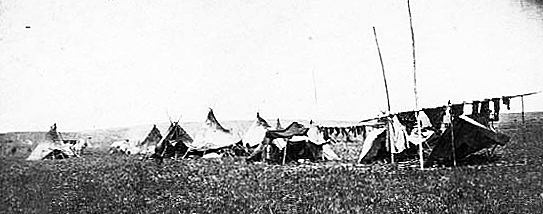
x=110 y=63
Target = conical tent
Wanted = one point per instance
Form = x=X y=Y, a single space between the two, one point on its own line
x=148 y=145
x=469 y=137
x=53 y=135
x=213 y=135
x=52 y=147
x=373 y=145
x=256 y=133
x=212 y=122
x=175 y=143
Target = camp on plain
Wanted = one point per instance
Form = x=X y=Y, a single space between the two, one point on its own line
x=271 y=106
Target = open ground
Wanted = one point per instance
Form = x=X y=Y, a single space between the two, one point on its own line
x=510 y=182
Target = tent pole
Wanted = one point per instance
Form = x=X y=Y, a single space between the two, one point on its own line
x=415 y=83
x=165 y=148
x=523 y=120
x=285 y=153
x=386 y=91
x=186 y=153
x=452 y=136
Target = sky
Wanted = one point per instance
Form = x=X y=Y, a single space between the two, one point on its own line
x=113 y=63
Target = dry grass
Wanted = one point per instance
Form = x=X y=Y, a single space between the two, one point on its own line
x=98 y=183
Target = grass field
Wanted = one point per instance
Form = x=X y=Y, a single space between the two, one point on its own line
x=99 y=183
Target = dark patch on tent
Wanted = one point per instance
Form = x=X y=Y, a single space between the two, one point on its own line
x=269 y=152
x=294 y=129
x=174 y=143
x=469 y=137
x=56 y=154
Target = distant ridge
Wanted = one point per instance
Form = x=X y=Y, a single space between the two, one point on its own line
x=102 y=138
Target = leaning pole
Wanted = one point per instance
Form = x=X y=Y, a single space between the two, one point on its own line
x=415 y=85
x=388 y=141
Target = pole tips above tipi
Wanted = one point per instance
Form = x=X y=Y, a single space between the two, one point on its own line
x=278 y=125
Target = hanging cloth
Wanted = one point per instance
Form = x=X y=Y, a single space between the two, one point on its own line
x=496 y=102
x=408 y=119
x=435 y=115
x=475 y=108
x=325 y=134
x=457 y=110
x=424 y=120
x=344 y=132
x=397 y=135
x=484 y=113
x=507 y=102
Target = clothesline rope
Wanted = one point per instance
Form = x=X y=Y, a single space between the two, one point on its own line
x=463 y=103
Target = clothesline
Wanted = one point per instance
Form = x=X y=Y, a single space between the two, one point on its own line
x=463 y=103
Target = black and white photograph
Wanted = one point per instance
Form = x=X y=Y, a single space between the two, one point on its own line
x=271 y=106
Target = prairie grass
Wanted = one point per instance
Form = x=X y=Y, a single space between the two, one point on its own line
x=101 y=183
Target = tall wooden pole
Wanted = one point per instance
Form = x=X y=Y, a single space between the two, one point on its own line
x=386 y=90
x=415 y=83
x=382 y=68
x=523 y=120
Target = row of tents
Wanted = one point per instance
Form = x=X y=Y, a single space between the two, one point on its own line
x=261 y=142
x=458 y=139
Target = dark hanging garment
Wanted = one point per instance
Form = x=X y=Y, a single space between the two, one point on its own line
x=435 y=115
x=485 y=107
x=337 y=130
x=344 y=132
x=475 y=108
x=408 y=119
x=507 y=102
x=496 y=102
x=457 y=110
x=484 y=113
x=325 y=134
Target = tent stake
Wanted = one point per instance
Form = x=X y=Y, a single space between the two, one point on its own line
x=389 y=142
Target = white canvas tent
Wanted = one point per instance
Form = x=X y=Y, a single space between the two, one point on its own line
x=48 y=149
x=51 y=147
x=213 y=135
x=256 y=133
